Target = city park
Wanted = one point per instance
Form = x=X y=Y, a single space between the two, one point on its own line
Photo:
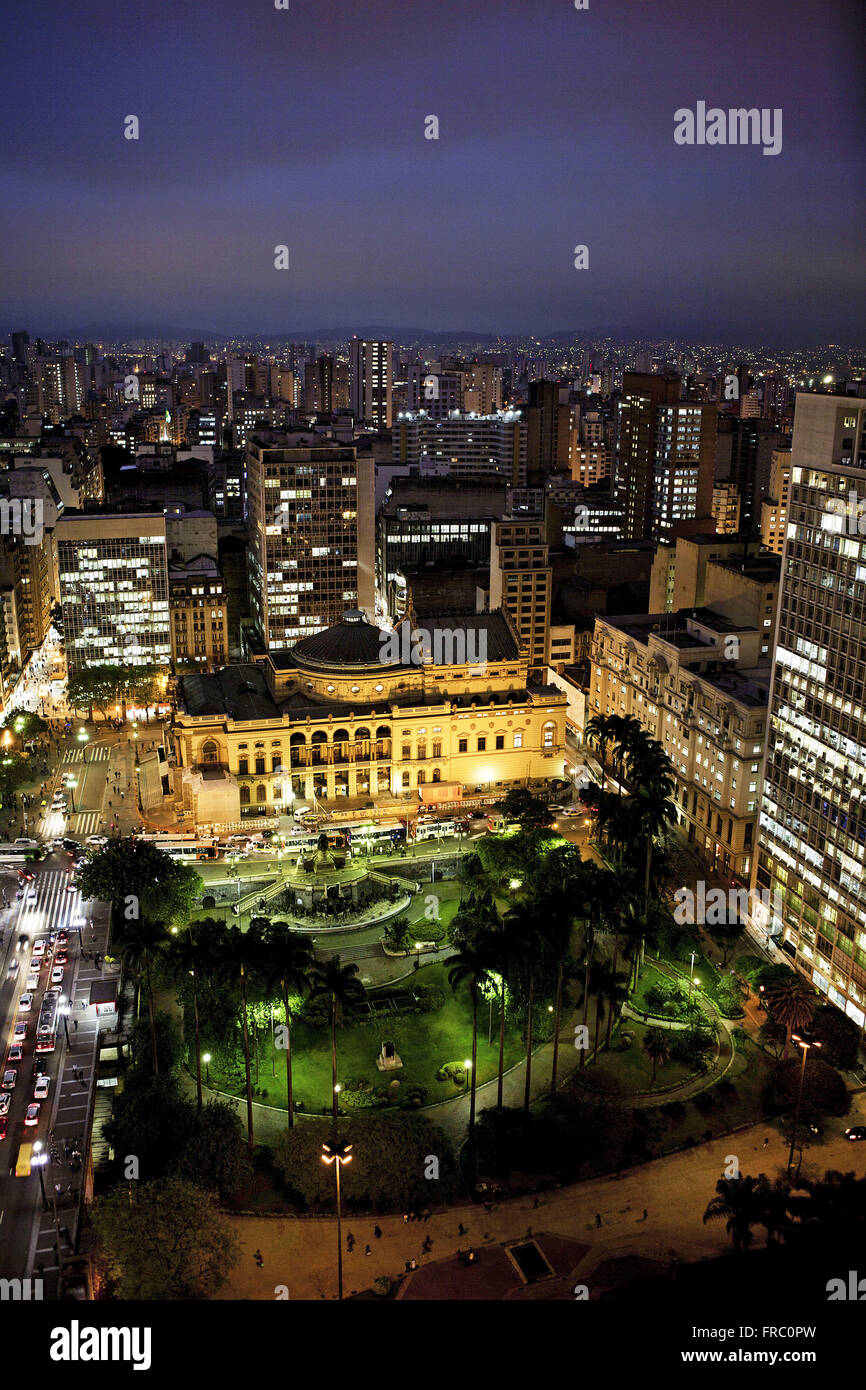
x=535 y=1017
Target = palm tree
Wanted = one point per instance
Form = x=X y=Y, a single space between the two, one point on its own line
x=738 y=1204
x=609 y=987
x=792 y=1003
x=241 y=954
x=599 y=732
x=187 y=955
x=471 y=964
x=523 y=929
x=629 y=737
x=657 y=1046
x=288 y=961
x=142 y=942
x=339 y=984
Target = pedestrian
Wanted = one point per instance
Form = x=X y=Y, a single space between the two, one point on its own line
x=405 y=1216
x=367 y=1250
x=597 y=1220
x=413 y=1264
x=75 y=1024
x=407 y=1266
x=426 y=1214
x=350 y=1242
x=766 y=1141
x=643 y=1218
x=426 y=1245
x=535 y=1204
x=259 y=1258
x=461 y=1229
x=377 y=1232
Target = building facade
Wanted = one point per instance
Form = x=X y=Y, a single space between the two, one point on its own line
x=370 y=382
x=311 y=536
x=813 y=814
x=331 y=719
x=199 y=615
x=113 y=582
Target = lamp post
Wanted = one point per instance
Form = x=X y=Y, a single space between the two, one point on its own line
x=205 y=1057
x=72 y=783
x=418 y=956
x=468 y=1067
x=805 y=1044
x=691 y=975
x=64 y=1014
x=338 y=1154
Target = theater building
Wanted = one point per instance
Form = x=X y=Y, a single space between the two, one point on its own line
x=338 y=717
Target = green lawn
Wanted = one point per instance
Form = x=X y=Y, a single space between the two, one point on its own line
x=424 y=1042
x=630 y=1072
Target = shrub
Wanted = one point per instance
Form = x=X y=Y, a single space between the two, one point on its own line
x=726 y=1087
x=674 y=1110
x=704 y=1101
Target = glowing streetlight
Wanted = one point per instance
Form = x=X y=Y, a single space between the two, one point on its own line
x=515 y=883
x=338 y=1154
x=38 y=1161
x=205 y=1057
x=805 y=1044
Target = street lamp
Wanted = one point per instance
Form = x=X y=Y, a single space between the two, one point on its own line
x=64 y=1014
x=691 y=975
x=468 y=1066
x=205 y=1057
x=805 y=1044
x=338 y=1154
x=71 y=783
x=418 y=957
x=40 y=1159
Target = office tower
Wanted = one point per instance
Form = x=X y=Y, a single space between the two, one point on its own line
x=282 y=385
x=113 y=585
x=726 y=508
x=436 y=392
x=696 y=681
x=370 y=382
x=318 y=386
x=311 y=527
x=774 y=396
x=340 y=393
x=21 y=347
x=774 y=508
x=680 y=570
x=743 y=451
x=461 y=444
x=813 y=813
x=665 y=458
x=482 y=387
x=548 y=429
x=521 y=582
x=199 y=614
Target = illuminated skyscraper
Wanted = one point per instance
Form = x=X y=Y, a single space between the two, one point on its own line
x=812 y=841
x=370 y=381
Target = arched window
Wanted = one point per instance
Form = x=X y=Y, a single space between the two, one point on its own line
x=548 y=735
x=261 y=793
x=297 y=739
x=422 y=776
x=245 y=796
x=210 y=752
x=383 y=732
x=320 y=736
x=362 y=733
x=340 y=735
x=437 y=774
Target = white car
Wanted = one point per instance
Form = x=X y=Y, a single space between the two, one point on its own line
x=31 y=1116
x=96 y=840
x=57 y=975
x=19 y=1032
x=25 y=1003
x=40 y=1090
x=12 y=968
x=39 y=948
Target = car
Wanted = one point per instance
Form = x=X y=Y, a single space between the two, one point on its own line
x=56 y=843
x=3 y=1125
x=16 y=1053
x=96 y=840
x=79 y=863
x=32 y=982
x=31 y=895
x=23 y=941
x=60 y=957
x=62 y=937
x=40 y=1090
x=573 y=811
x=57 y=975
x=12 y=968
x=71 y=846
x=39 y=948
x=9 y=1078
x=40 y=1066
x=31 y=1115
x=19 y=1032
x=5 y=1102
x=557 y=809
x=856 y=1132
x=26 y=844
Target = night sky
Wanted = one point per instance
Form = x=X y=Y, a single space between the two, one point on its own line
x=306 y=127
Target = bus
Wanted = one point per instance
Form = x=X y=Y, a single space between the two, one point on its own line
x=182 y=847
x=21 y=854
x=498 y=824
x=25 y=1156
x=434 y=829
x=46 y=1028
x=370 y=835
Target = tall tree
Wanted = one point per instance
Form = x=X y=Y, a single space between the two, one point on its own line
x=144 y=940
x=471 y=965
x=340 y=985
x=288 y=959
x=792 y=1002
